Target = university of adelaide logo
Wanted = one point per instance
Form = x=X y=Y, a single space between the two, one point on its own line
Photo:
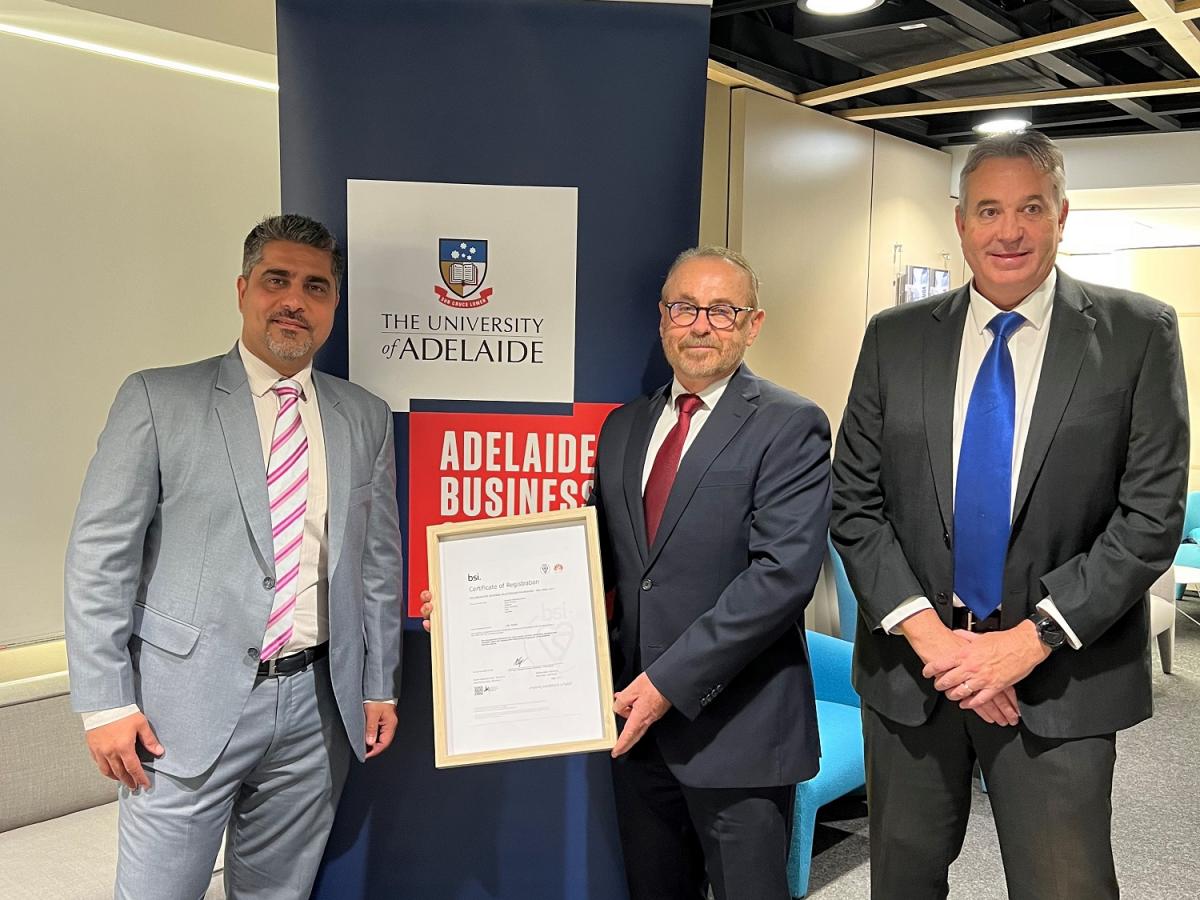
x=463 y=263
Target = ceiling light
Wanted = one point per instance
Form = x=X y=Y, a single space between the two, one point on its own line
x=1002 y=124
x=132 y=56
x=913 y=26
x=837 y=7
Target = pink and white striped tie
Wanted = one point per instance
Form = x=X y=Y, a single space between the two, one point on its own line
x=287 y=490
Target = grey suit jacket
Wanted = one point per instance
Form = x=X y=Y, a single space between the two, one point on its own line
x=170 y=565
x=712 y=611
x=1098 y=507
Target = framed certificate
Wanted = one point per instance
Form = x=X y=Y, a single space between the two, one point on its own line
x=520 y=639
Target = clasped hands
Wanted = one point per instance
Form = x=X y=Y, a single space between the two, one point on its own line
x=976 y=671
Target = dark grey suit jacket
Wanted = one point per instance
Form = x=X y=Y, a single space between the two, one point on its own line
x=712 y=611
x=1098 y=506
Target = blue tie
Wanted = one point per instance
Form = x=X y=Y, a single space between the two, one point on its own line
x=983 y=491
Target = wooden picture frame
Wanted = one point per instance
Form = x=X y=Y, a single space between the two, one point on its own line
x=555 y=695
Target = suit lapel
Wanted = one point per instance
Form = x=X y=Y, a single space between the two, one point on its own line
x=235 y=411
x=943 y=344
x=635 y=463
x=336 y=433
x=1070 y=333
x=732 y=411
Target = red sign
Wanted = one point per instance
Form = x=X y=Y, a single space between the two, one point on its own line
x=465 y=466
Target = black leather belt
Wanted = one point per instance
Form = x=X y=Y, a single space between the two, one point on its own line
x=963 y=618
x=293 y=662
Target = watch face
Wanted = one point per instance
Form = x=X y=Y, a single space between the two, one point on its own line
x=1050 y=633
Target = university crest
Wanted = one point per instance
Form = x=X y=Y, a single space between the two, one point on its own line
x=463 y=263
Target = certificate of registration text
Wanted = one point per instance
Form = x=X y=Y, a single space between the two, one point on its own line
x=518 y=638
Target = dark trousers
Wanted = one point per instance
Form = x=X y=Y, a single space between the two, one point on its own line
x=678 y=840
x=1052 y=801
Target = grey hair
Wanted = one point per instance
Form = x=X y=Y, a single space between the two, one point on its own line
x=712 y=251
x=295 y=229
x=1031 y=145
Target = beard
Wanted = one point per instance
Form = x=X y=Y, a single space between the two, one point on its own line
x=289 y=345
x=722 y=361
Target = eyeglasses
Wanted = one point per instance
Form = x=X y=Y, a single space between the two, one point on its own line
x=721 y=316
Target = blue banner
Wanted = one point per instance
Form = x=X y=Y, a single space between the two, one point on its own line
x=606 y=98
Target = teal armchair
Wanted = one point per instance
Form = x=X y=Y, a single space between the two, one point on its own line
x=1189 y=553
x=839 y=722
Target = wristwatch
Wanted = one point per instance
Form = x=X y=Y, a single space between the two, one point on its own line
x=1049 y=632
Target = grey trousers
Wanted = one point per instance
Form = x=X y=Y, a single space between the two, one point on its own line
x=274 y=789
x=1051 y=800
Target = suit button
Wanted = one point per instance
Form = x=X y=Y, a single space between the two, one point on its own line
x=946 y=539
x=647 y=584
x=252 y=652
x=268 y=583
x=942 y=597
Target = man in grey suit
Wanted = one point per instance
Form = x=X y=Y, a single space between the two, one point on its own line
x=713 y=498
x=1008 y=483
x=233 y=581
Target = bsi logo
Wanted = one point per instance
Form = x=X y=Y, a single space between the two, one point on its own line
x=471 y=577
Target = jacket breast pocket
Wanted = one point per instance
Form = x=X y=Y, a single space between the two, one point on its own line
x=163 y=631
x=1091 y=407
x=725 y=478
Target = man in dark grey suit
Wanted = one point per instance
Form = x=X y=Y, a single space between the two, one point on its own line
x=1008 y=482
x=233 y=591
x=713 y=495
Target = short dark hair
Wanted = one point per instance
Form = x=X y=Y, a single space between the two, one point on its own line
x=295 y=229
x=1031 y=145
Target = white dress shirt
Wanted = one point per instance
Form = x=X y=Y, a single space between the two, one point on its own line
x=310 y=624
x=1027 y=347
x=670 y=415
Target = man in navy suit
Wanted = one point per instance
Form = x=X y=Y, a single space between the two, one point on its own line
x=713 y=494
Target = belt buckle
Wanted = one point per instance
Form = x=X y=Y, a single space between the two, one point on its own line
x=970 y=619
x=271 y=666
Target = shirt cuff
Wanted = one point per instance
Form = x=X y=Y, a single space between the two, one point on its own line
x=1047 y=606
x=910 y=607
x=391 y=700
x=107 y=716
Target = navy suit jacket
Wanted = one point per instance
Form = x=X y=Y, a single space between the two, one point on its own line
x=712 y=612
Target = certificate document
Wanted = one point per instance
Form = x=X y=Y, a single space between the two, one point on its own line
x=521 y=666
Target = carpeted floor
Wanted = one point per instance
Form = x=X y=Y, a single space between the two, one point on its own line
x=1156 y=805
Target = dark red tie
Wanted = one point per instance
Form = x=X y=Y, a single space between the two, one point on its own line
x=662 y=473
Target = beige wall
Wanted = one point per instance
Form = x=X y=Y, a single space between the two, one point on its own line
x=1170 y=274
x=817 y=204
x=126 y=192
x=799 y=208
x=714 y=187
x=910 y=206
